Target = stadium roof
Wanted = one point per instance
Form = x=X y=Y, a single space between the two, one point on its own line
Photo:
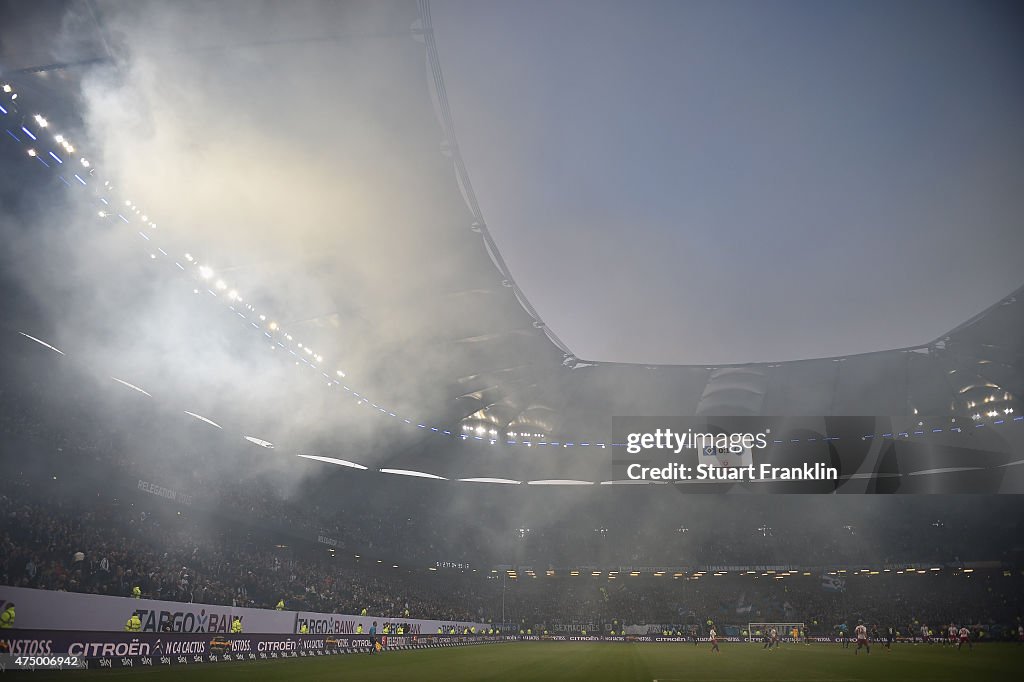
x=468 y=331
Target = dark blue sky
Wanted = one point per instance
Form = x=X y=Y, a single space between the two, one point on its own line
x=741 y=181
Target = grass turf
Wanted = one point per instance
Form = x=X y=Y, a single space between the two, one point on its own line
x=614 y=661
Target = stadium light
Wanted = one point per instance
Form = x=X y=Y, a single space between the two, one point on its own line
x=42 y=343
x=131 y=386
x=415 y=474
x=334 y=460
x=203 y=419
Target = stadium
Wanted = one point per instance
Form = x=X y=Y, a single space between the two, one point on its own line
x=274 y=403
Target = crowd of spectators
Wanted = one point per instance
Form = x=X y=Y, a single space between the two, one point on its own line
x=982 y=600
x=110 y=547
x=247 y=542
x=106 y=547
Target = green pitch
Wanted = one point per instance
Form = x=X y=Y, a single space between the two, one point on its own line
x=592 y=662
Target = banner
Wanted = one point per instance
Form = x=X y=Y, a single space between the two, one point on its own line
x=23 y=648
x=51 y=610
x=168 y=493
x=327 y=540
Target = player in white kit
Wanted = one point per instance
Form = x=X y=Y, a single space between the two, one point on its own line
x=862 y=638
x=965 y=637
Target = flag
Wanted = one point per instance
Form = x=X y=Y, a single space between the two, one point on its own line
x=741 y=606
x=832 y=583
